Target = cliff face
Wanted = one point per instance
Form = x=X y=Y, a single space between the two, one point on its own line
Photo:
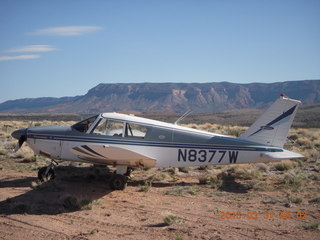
x=174 y=97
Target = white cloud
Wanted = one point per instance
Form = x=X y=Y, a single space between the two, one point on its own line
x=19 y=57
x=67 y=31
x=27 y=49
x=33 y=48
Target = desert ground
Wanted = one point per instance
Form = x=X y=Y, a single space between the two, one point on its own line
x=250 y=201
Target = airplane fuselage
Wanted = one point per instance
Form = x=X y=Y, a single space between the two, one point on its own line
x=162 y=146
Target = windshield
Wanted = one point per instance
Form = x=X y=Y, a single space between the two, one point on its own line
x=84 y=125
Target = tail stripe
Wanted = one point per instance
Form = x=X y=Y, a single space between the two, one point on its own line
x=279 y=118
x=272 y=127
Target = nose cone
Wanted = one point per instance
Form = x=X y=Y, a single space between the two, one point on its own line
x=18 y=133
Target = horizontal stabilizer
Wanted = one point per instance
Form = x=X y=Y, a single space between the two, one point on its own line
x=282 y=155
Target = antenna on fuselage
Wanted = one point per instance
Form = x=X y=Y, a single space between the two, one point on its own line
x=182 y=117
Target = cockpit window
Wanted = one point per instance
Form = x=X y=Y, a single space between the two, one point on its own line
x=84 y=125
x=109 y=127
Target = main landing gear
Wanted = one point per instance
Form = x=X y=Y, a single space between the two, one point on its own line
x=117 y=182
x=120 y=178
x=47 y=173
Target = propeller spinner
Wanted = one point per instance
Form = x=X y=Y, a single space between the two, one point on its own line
x=21 y=135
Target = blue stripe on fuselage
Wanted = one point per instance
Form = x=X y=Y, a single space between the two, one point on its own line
x=148 y=143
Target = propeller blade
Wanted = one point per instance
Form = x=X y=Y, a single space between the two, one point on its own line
x=21 y=135
x=16 y=148
x=22 y=139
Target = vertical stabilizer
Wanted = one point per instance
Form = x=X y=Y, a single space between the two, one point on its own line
x=273 y=125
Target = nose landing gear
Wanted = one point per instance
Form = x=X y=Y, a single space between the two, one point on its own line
x=47 y=173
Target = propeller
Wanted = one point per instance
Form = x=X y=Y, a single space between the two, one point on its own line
x=21 y=135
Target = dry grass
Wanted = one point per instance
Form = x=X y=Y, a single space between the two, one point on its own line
x=24 y=159
x=284 y=165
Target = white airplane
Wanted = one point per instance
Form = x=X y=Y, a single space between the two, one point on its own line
x=127 y=142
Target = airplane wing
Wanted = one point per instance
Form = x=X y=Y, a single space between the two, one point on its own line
x=105 y=154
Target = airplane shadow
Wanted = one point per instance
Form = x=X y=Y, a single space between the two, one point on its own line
x=137 y=183
x=73 y=189
x=17 y=183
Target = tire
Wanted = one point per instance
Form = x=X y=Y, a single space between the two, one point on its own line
x=42 y=177
x=118 y=182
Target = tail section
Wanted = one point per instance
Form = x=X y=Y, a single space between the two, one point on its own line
x=273 y=125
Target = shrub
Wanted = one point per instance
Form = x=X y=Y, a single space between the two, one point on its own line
x=312 y=226
x=314 y=155
x=180 y=191
x=247 y=173
x=178 y=237
x=294 y=181
x=214 y=181
x=20 y=209
x=262 y=167
x=203 y=167
x=315 y=201
x=159 y=176
x=256 y=185
x=234 y=131
x=296 y=200
x=184 y=169
x=305 y=143
x=172 y=171
x=314 y=176
x=293 y=137
x=283 y=165
x=72 y=203
x=172 y=219
x=146 y=187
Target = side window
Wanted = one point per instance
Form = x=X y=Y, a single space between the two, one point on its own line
x=109 y=127
x=135 y=130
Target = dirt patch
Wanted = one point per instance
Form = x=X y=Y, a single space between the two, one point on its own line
x=251 y=201
x=78 y=204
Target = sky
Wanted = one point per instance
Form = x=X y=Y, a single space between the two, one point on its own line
x=64 y=48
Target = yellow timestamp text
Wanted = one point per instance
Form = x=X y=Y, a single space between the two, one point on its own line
x=262 y=215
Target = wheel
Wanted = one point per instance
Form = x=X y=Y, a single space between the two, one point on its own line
x=42 y=176
x=118 y=182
